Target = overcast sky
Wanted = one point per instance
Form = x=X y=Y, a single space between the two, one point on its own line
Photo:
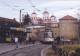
x=10 y=8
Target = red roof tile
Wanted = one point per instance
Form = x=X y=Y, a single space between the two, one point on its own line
x=68 y=17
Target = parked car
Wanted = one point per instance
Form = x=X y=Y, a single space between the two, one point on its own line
x=47 y=40
x=65 y=41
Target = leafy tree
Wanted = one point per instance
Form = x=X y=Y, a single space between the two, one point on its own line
x=26 y=19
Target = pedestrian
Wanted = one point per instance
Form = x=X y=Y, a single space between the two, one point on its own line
x=58 y=40
x=16 y=41
x=54 y=46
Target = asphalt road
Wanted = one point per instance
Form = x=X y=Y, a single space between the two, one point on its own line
x=34 y=50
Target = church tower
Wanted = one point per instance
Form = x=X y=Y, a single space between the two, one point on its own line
x=34 y=18
x=55 y=26
x=45 y=16
x=53 y=19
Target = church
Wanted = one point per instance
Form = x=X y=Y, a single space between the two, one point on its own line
x=66 y=27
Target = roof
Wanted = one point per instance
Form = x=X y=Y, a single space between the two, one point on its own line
x=68 y=17
x=6 y=20
x=45 y=12
x=34 y=13
x=52 y=16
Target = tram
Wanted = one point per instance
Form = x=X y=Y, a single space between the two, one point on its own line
x=46 y=37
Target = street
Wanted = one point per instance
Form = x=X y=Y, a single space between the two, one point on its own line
x=32 y=50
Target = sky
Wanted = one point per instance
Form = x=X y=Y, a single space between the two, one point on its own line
x=59 y=8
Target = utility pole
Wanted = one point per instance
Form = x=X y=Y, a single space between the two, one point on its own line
x=20 y=16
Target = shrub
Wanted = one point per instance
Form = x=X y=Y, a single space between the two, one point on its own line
x=77 y=52
x=70 y=50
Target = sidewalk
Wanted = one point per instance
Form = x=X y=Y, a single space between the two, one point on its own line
x=48 y=52
x=44 y=51
x=4 y=47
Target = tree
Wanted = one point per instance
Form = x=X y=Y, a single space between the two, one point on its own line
x=40 y=21
x=77 y=52
x=26 y=19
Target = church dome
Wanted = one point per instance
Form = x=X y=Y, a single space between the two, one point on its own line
x=45 y=12
x=52 y=16
x=34 y=13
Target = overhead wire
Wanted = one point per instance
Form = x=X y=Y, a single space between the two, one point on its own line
x=8 y=5
x=31 y=3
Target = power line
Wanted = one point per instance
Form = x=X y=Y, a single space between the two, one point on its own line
x=8 y=5
x=31 y=3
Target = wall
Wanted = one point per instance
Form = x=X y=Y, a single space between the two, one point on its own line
x=68 y=29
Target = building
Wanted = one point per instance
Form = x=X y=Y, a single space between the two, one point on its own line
x=9 y=28
x=79 y=27
x=66 y=27
x=50 y=22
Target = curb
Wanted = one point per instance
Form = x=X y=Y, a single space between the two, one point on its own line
x=43 y=51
